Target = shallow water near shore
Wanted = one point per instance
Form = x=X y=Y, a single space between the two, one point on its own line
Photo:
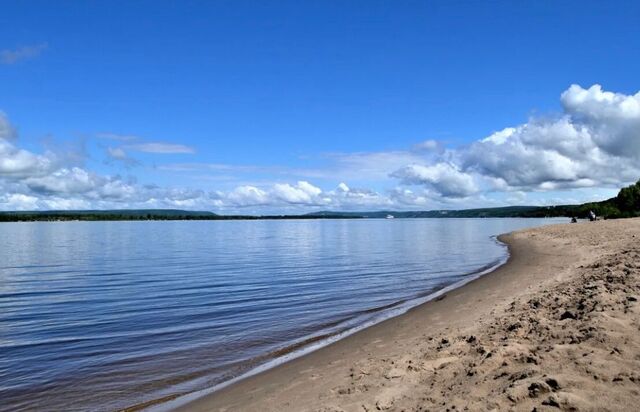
x=107 y=315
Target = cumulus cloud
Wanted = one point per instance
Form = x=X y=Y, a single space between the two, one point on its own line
x=16 y=163
x=19 y=201
x=243 y=196
x=64 y=181
x=445 y=178
x=595 y=142
x=12 y=56
x=345 y=198
x=302 y=193
x=612 y=118
x=280 y=194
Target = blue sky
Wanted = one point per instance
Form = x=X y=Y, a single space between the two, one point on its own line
x=262 y=107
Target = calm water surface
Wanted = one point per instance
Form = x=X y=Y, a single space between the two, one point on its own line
x=106 y=315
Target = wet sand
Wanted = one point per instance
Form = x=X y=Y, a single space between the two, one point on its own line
x=557 y=327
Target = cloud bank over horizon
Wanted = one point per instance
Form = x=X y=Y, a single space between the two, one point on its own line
x=593 y=143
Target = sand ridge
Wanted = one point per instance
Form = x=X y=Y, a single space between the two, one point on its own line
x=557 y=328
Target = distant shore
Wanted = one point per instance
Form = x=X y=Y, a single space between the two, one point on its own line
x=177 y=214
x=557 y=326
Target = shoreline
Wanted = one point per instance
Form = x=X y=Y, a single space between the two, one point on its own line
x=508 y=339
x=228 y=393
x=178 y=401
x=265 y=381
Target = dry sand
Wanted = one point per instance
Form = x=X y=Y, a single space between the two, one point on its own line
x=557 y=327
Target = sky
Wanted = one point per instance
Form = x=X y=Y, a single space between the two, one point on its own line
x=261 y=107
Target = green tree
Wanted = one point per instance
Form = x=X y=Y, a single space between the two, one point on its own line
x=628 y=199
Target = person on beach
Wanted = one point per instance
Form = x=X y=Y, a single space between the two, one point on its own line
x=592 y=216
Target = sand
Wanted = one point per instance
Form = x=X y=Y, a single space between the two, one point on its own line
x=556 y=328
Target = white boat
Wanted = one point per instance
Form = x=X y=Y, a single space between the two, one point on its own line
x=390 y=217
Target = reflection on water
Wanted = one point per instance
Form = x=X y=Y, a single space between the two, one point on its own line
x=105 y=315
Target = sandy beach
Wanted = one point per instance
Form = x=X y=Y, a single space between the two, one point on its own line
x=557 y=327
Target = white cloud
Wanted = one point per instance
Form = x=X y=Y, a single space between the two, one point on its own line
x=445 y=178
x=117 y=189
x=12 y=56
x=302 y=193
x=348 y=198
x=161 y=148
x=613 y=119
x=18 y=201
x=500 y=137
x=279 y=194
x=309 y=189
x=243 y=196
x=65 y=181
x=594 y=143
x=16 y=163
x=598 y=104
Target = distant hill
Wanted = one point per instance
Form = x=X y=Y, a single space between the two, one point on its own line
x=117 y=214
x=121 y=212
x=509 y=211
x=625 y=204
x=173 y=214
x=132 y=214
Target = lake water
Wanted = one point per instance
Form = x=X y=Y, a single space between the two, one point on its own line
x=107 y=315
